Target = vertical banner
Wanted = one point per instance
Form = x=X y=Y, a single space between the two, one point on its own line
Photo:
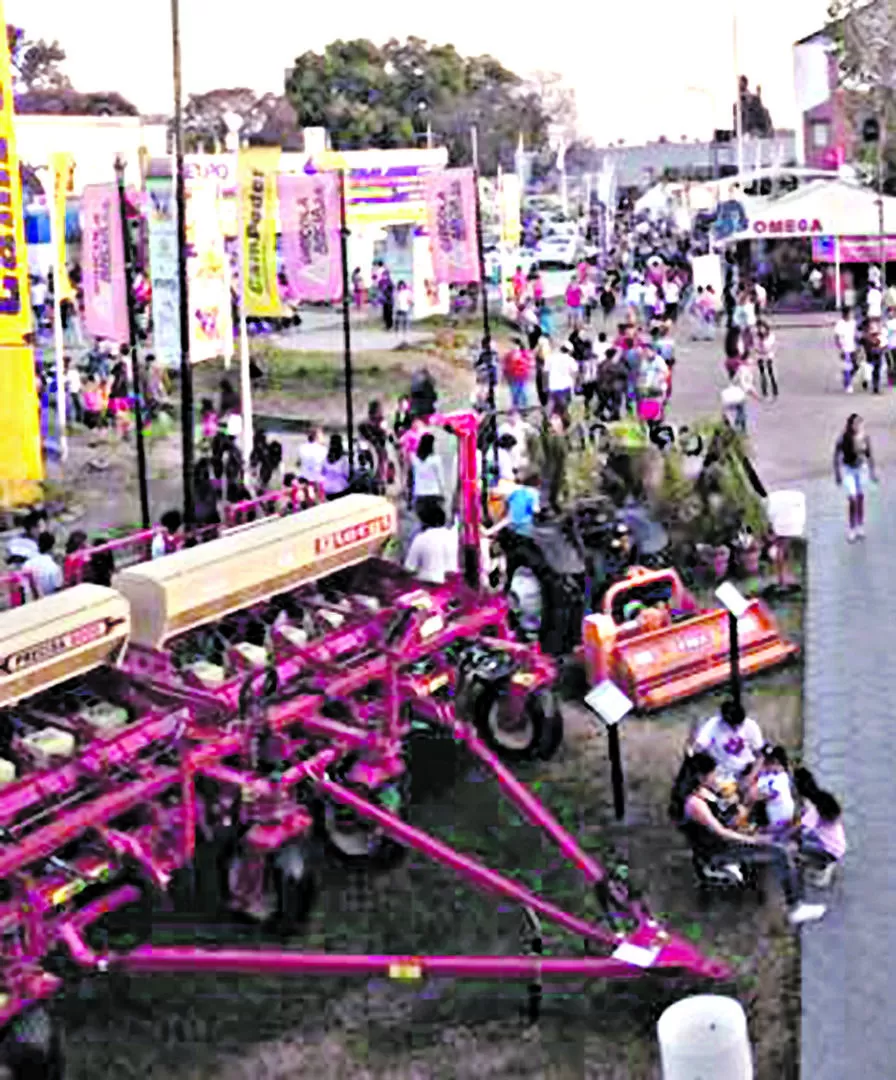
x=258 y=194
x=161 y=212
x=21 y=461
x=62 y=169
x=451 y=216
x=309 y=231
x=208 y=275
x=102 y=256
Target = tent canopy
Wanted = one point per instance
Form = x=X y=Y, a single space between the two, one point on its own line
x=822 y=208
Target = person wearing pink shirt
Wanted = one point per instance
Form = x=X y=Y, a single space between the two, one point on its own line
x=574 y=304
x=822 y=836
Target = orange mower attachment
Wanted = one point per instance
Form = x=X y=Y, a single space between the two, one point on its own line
x=652 y=640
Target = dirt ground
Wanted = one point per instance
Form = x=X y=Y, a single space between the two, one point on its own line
x=190 y=1028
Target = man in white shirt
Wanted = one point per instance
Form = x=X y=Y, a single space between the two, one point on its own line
x=42 y=567
x=22 y=548
x=562 y=370
x=433 y=553
x=733 y=740
x=38 y=299
x=311 y=458
x=845 y=336
x=874 y=302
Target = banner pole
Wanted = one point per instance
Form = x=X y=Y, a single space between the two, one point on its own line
x=346 y=326
x=145 y=519
x=245 y=359
x=58 y=336
x=186 y=371
x=492 y=425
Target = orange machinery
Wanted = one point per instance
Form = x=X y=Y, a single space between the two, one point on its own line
x=652 y=640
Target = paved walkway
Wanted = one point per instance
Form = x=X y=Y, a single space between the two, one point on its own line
x=849 y=974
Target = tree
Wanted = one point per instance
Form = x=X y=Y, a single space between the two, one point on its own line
x=864 y=36
x=558 y=100
x=204 y=126
x=35 y=64
x=367 y=96
x=68 y=102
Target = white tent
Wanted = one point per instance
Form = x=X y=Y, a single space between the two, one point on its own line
x=823 y=208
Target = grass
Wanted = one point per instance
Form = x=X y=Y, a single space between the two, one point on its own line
x=192 y=1028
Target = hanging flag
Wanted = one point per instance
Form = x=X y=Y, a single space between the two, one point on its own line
x=161 y=217
x=21 y=461
x=451 y=216
x=258 y=194
x=309 y=235
x=208 y=275
x=62 y=169
x=102 y=247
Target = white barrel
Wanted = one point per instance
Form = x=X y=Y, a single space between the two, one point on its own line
x=705 y=1038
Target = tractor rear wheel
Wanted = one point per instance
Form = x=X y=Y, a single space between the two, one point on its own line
x=34 y=1047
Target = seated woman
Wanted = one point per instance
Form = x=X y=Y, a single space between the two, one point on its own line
x=822 y=837
x=694 y=807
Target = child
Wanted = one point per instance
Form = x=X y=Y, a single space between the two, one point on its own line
x=765 y=356
x=822 y=836
x=93 y=404
x=774 y=790
x=208 y=420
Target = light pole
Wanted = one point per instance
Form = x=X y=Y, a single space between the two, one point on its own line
x=736 y=605
x=186 y=371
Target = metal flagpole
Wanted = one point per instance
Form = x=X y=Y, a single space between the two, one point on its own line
x=346 y=326
x=58 y=336
x=739 y=117
x=186 y=371
x=137 y=382
x=245 y=359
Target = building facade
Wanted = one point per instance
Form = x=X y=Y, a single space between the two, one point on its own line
x=824 y=137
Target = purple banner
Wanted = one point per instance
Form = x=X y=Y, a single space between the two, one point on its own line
x=309 y=235
x=451 y=218
x=102 y=246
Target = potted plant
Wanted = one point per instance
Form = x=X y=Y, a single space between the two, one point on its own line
x=747 y=551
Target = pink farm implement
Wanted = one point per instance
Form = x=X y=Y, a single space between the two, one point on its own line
x=225 y=703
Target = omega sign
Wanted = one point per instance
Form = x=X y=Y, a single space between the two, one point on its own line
x=353 y=534
x=788 y=226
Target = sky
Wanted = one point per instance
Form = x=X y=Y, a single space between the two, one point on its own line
x=641 y=69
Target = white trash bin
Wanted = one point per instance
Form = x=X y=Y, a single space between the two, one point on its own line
x=705 y=1038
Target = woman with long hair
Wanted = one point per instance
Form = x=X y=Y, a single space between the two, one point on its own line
x=335 y=469
x=852 y=455
x=822 y=836
x=695 y=809
x=427 y=475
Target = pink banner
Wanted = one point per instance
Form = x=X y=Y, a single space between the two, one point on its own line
x=309 y=234
x=451 y=217
x=102 y=247
x=854 y=249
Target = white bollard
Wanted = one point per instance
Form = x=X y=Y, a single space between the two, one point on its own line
x=705 y=1038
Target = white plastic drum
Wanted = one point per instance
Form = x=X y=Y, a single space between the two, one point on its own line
x=705 y=1038
x=787 y=513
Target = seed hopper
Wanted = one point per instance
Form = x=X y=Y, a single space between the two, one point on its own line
x=194 y=729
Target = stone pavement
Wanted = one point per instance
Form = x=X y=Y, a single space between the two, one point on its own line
x=849 y=978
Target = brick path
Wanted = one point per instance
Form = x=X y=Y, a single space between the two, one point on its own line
x=849 y=976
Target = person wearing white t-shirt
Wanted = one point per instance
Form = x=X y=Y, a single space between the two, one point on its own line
x=433 y=553
x=44 y=571
x=634 y=294
x=732 y=739
x=311 y=458
x=562 y=370
x=845 y=335
x=672 y=296
x=774 y=789
x=874 y=302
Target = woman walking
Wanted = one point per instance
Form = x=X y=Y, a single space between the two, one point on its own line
x=765 y=357
x=852 y=454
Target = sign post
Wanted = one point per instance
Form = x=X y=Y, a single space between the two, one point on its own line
x=736 y=605
x=611 y=707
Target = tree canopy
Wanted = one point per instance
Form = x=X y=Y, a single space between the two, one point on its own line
x=367 y=95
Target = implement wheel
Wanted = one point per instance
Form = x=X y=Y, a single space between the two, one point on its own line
x=34 y=1047
x=536 y=732
x=354 y=841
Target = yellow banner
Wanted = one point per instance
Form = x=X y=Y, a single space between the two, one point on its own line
x=257 y=172
x=62 y=168
x=21 y=464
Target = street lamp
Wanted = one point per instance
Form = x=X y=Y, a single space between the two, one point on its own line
x=736 y=604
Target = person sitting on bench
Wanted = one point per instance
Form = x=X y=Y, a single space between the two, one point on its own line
x=695 y=809
x=734 y=741
x=822 y=837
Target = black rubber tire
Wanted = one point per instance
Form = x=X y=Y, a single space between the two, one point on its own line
x=35 y=1047
x=386 y=853
x=483 y=697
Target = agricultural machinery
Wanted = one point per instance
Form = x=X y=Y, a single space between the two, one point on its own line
x=195 y=728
